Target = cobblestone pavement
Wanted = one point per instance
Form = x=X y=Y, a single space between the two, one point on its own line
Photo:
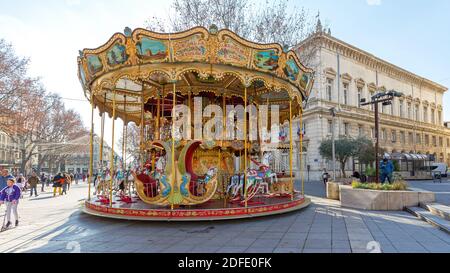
x=56 y=225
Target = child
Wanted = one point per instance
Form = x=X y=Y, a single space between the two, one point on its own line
x=10 y=195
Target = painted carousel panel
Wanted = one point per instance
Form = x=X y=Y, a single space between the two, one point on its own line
x=94 y=64
x=266 y=60
x=152 y=50
x=192 y=48
x=117 y=55
x=291 y=70
x=231 y=52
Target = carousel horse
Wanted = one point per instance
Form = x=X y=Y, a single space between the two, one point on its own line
x=235 y=185
x=256 y=183
x=103 y=186
x=203 y=181
x=265 y=171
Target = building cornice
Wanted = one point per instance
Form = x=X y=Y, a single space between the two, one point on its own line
x=327 y=41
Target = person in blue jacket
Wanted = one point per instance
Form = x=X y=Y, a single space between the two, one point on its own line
x=10 y=196
x=386 y=170
x=4 y=176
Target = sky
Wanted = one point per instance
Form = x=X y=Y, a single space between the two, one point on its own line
x=412 y=34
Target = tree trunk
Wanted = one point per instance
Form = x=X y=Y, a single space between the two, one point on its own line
x=23 y=162
x=343 y=169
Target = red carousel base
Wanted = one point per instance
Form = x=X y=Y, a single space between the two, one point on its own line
x=214 y=210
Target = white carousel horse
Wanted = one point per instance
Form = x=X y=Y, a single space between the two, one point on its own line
x=201 y=183
x=236 y=185
x=102 y=185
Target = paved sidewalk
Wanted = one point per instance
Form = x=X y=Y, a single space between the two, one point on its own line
x=441 y=190
x=56 y=225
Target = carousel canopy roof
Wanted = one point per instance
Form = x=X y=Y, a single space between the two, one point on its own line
x=140 y=65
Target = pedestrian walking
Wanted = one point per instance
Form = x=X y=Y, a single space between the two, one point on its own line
x=64 y=183
x=72 y=178
x=43 y=181
x=386 y=170
x=10 y=197
x=33 y=182
x=325 y=176
x=20 y=182
x=48 y=179
x=57 y=184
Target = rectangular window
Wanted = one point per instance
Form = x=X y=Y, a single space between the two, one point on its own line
x=439 y=118
x=372 y=132
x=400 y=109
x=418 y=139
x=427 y=140
x=448 y=142
x=360 y=130
x=394 y=136
x=410 y=138
x=441 y=142
x=425 y=114
x=372 y=93
x=409 y=110
x=402 y=138
x=346 y=129
x=346 y=93
x=433 y=117
x=417 y=113
x=330 y=127
x=330 y=83
x=433 y=138
x=359 y=96
x=383 y=134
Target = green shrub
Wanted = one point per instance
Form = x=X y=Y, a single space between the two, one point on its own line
x=397 y=186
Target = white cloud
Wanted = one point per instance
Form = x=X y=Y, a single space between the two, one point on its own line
x=373 y=2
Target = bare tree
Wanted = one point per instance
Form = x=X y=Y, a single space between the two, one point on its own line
x=266 y=22
x=132 y=143
x=14 y=83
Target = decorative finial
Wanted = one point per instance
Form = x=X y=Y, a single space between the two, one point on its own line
x=80 y=52
x=319 y=27
x=329 y=31
x=213 y=29
x=285 y=48
x=127 y=32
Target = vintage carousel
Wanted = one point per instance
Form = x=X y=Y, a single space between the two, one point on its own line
x=186 y=173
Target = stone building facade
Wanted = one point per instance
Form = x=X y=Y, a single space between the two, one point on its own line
x=346 y=74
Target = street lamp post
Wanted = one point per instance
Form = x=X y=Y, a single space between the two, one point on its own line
x=385 y=98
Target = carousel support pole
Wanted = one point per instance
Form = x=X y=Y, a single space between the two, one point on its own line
x=124 y=141
x=245 y=148
x=173 y=134
x=142 y=150
x=91 y=148
x=301 y=150
x=290 y=149
x=102 y=134
x=111 y=170
x=190 y=109
x=223 y=138
x=158 y=117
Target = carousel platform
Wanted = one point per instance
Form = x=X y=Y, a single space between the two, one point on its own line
x=210 y=211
